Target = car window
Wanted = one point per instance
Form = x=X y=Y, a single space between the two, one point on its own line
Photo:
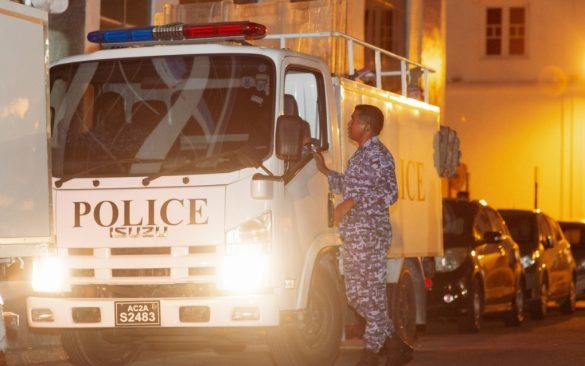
x=556 y=231
x=497 y=223
x=523 y=225
x=522 y=228
x=575 y=236
x=544 y=230
x=457 y=224
x=481 y=224
x=506 y=228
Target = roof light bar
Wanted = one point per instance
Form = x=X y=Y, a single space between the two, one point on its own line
x=180 y=32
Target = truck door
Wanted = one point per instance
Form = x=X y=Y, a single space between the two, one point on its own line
x=306 y=188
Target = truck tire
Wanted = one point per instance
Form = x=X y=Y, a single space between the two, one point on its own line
x=315 y=342
x=87 y=347
x=402 y=308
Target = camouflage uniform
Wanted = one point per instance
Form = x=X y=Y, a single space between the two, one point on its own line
x=371 y=182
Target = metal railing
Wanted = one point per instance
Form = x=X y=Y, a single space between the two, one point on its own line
x=406 y=65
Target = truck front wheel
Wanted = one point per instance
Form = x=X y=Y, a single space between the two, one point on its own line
x=316 y=341
x=89 y=347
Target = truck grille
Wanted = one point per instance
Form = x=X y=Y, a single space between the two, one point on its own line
x=140 y=251
x=143 y=272
x=143 y=291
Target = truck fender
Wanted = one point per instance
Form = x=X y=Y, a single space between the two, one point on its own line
x=323 y=252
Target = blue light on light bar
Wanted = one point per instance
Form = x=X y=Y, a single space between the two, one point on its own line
x=121 y=35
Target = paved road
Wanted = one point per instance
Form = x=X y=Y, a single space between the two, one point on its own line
x=559 y=340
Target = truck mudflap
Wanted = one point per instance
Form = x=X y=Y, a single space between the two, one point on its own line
x=228 y=311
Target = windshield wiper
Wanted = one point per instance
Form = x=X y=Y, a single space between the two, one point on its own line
x=246 y=156
x=64 y=179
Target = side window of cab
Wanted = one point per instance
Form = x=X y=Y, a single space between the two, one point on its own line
x=304 y=97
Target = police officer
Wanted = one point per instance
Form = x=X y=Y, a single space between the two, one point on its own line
x=368 y=188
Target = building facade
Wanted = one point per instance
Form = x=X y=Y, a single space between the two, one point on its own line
x=515 y=92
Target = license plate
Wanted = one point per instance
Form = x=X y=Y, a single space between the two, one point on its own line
x=137 y=313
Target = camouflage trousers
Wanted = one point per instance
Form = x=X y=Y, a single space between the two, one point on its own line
x=364 y=263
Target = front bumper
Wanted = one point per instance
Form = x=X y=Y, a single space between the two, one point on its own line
x=222 y=311
x=449 y=294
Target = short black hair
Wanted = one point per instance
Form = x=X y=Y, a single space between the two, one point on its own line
x=372 y=115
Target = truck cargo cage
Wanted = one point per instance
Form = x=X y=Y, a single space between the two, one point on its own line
x=318 y=27
x=408 y=68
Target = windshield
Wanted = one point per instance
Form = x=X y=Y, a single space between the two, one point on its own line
x=523 y=230
x=457 y=224
x=161 y=115
x=575 y=235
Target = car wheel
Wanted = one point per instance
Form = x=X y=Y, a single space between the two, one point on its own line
x=471 y=321
x=91 y=347
x=569 y=305
x=316 y=341
x=516 y=315
x=540 y=307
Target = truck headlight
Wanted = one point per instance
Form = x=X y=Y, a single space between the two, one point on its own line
x=49 y=274
x=245 y=266
x=452 y=259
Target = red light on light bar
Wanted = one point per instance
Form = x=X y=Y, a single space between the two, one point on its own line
x=248 y=30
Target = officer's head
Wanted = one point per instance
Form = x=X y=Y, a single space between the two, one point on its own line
x=372 y=116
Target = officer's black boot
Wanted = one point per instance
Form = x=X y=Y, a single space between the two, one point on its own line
x=397 y=352
x=368 y=358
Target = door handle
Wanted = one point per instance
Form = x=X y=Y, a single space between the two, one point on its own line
x=330 y=209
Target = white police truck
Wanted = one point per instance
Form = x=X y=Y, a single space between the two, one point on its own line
x=187 y=208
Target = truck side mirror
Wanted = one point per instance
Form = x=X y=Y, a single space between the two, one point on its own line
x=289 y=137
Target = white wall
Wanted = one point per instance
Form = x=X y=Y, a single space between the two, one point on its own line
x=517 y=113
x=556 y=36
